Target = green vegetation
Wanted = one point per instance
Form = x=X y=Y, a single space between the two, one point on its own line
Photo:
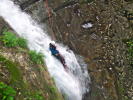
x=122 y=90
x=22 y=42
x=15 y=78
x=6 y=92
x=52 y=89
x=34 y=96
x=129 y=43
x=43 y=68
x=123 y=76
x=38 y=96
x=17 y=82
x=12 y=67
x=24 y=89
x=36 y=58
x=11 y=40
x=53 y=92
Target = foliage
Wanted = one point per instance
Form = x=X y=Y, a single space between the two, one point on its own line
x=22 y=42
x=16 y=81
x=52 y=89
x=36 y=58
x=38 y=96
x=34 y=96
x=6 y=92
x=11 y=40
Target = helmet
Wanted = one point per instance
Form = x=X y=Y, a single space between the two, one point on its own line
x=52 y=45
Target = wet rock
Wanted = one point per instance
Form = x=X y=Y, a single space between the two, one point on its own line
x=28 y=3
x=105 y=35
x=86 y=24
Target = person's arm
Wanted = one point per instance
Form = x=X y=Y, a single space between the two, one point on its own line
x=56 y=52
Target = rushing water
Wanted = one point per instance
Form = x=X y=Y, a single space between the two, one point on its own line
x=73 y=83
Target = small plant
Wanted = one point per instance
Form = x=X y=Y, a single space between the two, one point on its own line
x=52 y=89
x=36 y=58
x=22 y=42
x=6 y=92
x=34 y=96
x=38 y=96
x=10 y=40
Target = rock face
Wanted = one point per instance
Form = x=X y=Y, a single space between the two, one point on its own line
x=100 y=44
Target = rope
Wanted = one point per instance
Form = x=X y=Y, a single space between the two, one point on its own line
x=47 y=7
x=49 y=16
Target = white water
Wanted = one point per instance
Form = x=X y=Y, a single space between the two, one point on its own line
x=73 y=85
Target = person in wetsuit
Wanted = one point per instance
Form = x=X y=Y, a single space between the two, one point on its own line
x=53 y=50
x=56 y=53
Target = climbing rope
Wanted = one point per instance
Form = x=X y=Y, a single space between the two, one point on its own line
x=49 y=16
x=47 y=7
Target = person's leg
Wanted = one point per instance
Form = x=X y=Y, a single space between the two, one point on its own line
x=57 y=56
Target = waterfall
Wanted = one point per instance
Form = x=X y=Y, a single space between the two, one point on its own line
x=73 y=83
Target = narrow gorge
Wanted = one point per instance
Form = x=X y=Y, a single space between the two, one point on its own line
x=95 y=38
